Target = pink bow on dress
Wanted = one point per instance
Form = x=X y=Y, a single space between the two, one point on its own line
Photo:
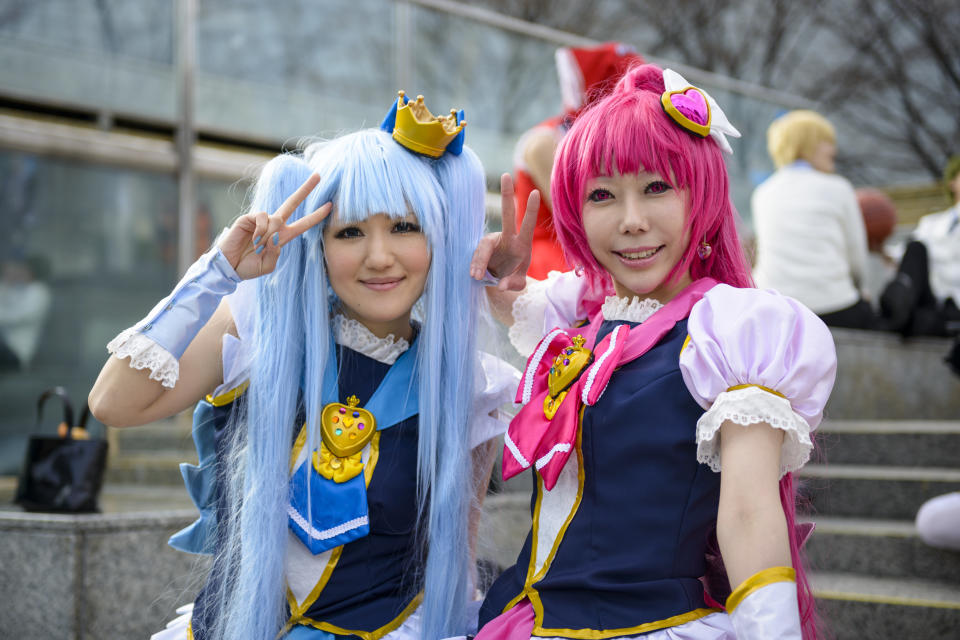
x=544 y=431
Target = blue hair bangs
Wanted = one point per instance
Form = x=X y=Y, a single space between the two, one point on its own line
x=367 y=173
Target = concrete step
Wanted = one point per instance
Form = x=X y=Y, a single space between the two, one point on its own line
x=880 y=548
x=868 y=491
x=166 y=435
x=854 y=607
x=882 y=376
x=159 y=468
x=907 y=443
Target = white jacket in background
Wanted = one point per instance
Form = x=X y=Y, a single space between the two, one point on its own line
x=811 y=241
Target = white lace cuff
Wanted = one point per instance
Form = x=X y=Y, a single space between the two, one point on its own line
x=354 y=335
x=144 y=353
x=749 y=406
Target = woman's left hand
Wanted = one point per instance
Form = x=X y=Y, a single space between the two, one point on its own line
x=506 y=254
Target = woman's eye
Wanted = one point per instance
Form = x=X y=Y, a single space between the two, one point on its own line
x=349 y=232
x=404 y=226
x=657 y=186
x=599 y=195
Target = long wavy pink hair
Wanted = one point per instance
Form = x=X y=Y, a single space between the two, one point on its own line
x=627 y=132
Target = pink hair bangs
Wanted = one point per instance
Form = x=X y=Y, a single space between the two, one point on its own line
x=628 y=132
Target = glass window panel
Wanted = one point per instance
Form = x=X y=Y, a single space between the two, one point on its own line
x=505 y=82
x=219 y=202
x=102 y=240
x=279 y=71
x=113 y=55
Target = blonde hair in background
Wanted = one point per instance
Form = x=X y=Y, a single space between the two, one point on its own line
x=794 y=136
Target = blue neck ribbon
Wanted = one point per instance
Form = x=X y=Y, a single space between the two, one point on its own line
x=325 y=514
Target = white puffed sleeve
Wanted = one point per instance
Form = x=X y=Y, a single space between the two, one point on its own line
x=545 y=304
x=757 y=356
x=495 y=384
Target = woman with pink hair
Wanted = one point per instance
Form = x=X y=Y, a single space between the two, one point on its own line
x=661 y=434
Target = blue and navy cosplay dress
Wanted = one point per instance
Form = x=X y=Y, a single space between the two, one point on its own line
x=371 y=585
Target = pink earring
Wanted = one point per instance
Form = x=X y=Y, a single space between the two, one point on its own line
x=704 y=250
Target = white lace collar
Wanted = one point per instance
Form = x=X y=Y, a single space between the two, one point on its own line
x=629 y=309
x=353 y=335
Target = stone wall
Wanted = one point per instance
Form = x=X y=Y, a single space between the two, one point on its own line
x=95 y=576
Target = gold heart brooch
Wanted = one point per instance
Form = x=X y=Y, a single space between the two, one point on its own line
x=345 y=430
x=566 y=368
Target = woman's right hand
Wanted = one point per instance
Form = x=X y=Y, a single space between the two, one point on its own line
x=252 y=245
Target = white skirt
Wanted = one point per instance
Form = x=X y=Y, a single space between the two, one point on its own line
x=176 y=629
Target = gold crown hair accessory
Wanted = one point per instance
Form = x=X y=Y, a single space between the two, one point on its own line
x=413 y=126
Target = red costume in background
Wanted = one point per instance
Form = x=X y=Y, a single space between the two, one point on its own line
x=585 y=75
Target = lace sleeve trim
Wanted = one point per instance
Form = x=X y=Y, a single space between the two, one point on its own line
x=528 y=313
x=749 y=406
x=144 y=353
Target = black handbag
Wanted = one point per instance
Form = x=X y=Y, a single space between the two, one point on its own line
x=62 y=473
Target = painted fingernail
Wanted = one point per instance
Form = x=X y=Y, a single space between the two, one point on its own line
x=257 y=240
x=259 y=249
x=276 y=238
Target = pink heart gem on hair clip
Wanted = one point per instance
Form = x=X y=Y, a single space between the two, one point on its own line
x=689 y=108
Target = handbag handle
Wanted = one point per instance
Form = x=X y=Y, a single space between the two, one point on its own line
x=84 y=416
x=61 y=393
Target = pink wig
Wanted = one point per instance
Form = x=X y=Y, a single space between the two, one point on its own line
x=628 y=132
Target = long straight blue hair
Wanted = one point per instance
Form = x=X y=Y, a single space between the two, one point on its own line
x=363 y=174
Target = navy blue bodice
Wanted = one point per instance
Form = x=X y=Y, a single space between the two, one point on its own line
x=632 y=554
x=378 y=576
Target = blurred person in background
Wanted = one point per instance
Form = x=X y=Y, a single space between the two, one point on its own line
x=24 y=303
x=585 y=74
x=938 y=521
x=811 y=241
x=923 y=299
x=880 y=219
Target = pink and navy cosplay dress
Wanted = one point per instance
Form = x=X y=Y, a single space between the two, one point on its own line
x=625 y=502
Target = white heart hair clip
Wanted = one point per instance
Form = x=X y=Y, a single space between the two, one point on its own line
x=694 y=110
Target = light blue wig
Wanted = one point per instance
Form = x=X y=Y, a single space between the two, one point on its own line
x=363 y=173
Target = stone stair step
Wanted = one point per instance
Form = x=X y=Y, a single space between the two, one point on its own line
x=157 y=468
x=150 y=438
x=880 y=548
x=870 y=491
x=172 y=434
x=856 y=606
x=883 y=376
x=135 y=498
x=921 y=443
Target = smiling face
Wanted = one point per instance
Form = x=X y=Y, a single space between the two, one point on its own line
x=634 y=225
x=378 y=268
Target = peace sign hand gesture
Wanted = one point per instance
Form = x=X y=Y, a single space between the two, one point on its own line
x=253 y=243
x=507 y=253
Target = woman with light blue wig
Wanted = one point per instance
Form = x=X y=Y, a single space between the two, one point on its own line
x=334 y=346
